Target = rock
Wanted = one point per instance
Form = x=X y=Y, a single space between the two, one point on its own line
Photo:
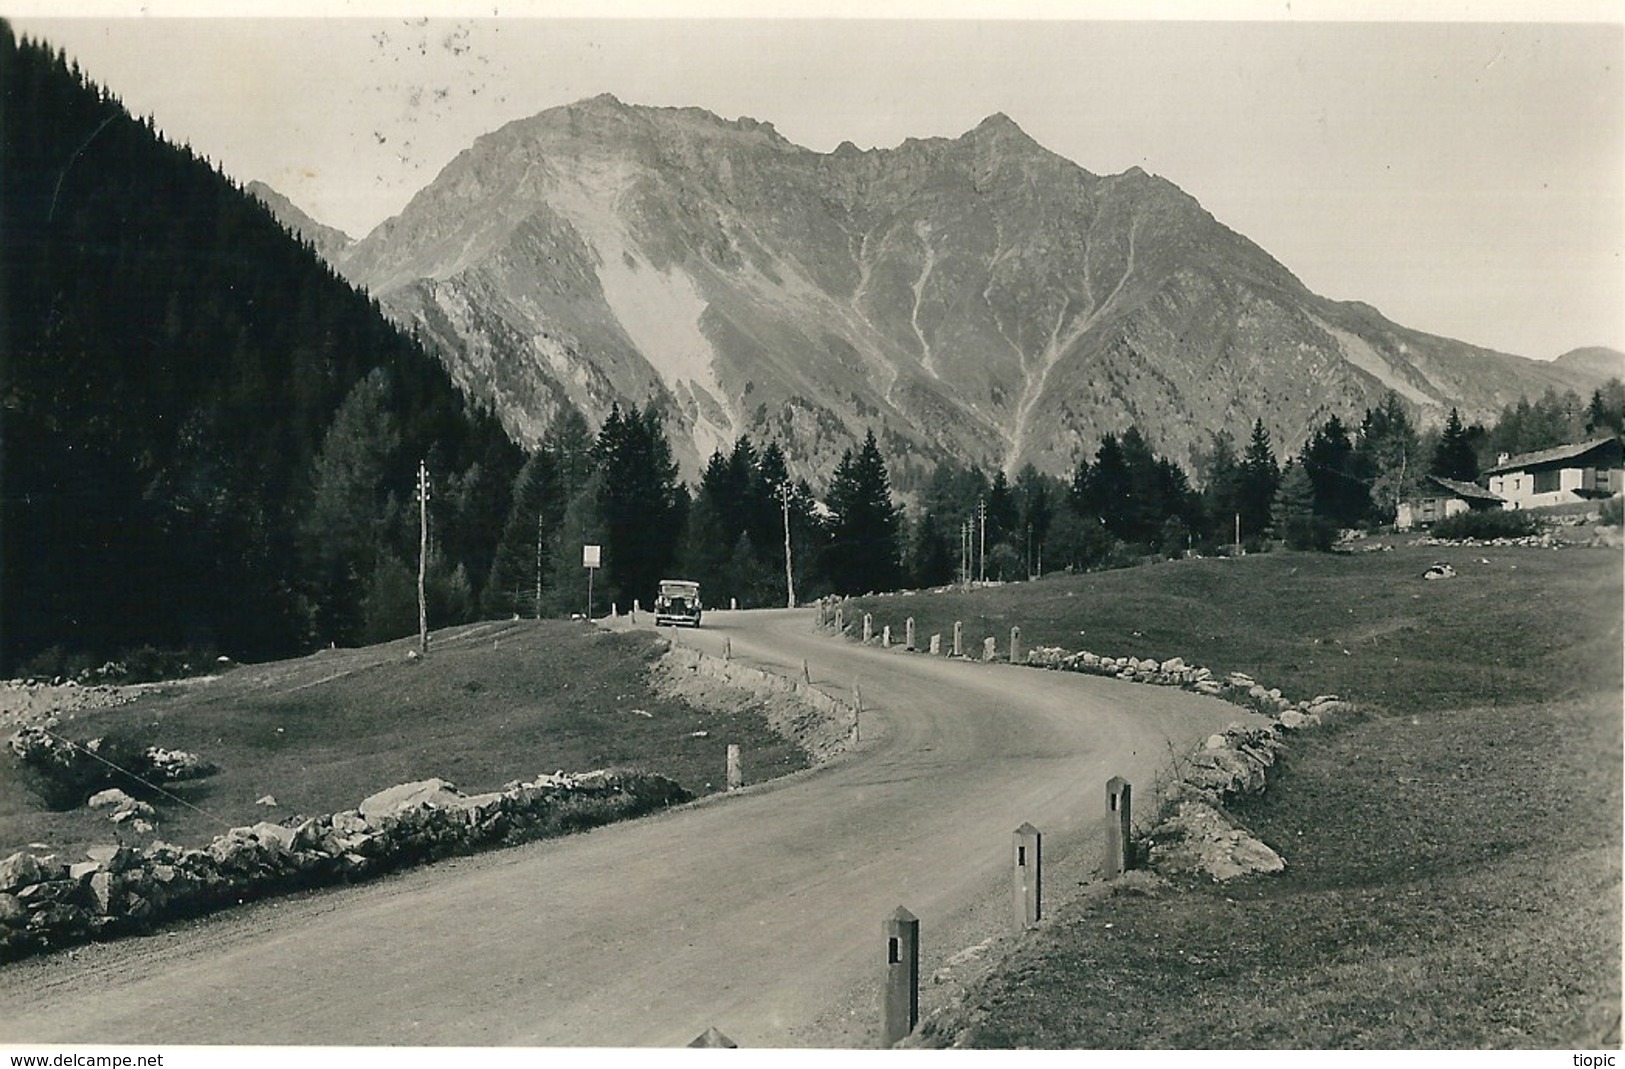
x=436 y=793
x=1216 y=742
x=19 y=870
x=1173 y=664
x=80 y=870
x=103 y=886
x=1292 y=719
x=111 y=797
x=266 y=800
x=132 y=810
x=1199 y=839
x=269 y=833
x=112 y=857
x=12 y=910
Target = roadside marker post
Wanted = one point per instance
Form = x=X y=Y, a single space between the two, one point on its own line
x=908 y=634
x=990 y=648
x=959 y=635
x=736 y=774
x=1027 y=876
x=868 y=628
x=713 y=1038
x=1118 y=842
x=901 y=1005
x=885 y=636
x=840 y=621
x=1015 y=645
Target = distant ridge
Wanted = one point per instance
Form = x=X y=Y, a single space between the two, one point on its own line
x=977 y=297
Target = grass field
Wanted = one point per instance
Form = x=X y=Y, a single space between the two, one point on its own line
x=1529 y=625
x=1453 y=861
x=492 y=703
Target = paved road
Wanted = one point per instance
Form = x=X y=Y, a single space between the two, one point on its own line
x=759 y=913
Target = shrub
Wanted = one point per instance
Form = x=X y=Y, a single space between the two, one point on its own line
x=1486 y=524
x=1612 y=513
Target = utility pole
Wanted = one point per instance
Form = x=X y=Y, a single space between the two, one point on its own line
x=423 y=556
x=538 y=564
x=981 y=514
x=789 y=574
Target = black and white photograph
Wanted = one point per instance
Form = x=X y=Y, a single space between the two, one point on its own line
x=810 y=528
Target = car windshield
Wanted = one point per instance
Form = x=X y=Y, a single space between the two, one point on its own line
x=680 y=590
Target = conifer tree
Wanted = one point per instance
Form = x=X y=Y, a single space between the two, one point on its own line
x=1454 y=456
x=862 y=554
x=1259 y=478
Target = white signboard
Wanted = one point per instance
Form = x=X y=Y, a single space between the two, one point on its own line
x=592 y=556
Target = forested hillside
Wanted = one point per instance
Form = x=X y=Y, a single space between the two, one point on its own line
x=209 y=439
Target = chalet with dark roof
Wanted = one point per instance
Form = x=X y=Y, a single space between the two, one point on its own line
x=1559 y=476
x=1438 y=499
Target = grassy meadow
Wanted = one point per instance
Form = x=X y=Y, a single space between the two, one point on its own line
x=492 y=703
x=1453 y=858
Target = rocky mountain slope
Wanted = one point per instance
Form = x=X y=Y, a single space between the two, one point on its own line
x=978 y=297
x=329 y=242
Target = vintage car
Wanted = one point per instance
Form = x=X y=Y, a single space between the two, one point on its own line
x=678 y=603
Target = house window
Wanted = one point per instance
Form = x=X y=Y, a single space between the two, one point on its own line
x=1548 y=481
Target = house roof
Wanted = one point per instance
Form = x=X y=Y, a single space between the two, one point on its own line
x=1550 y=456
x=1469 y=491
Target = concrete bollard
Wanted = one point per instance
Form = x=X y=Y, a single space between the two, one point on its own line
x=900 y=1010
x=636 y=605
x=1118 y=842
x=885 y=636
x=936 y=644
x=840 y=622
x=712 y=1037
x=733 y=603
x=1028 y=874
x=868 y=627
x=990 y=648
x=857 y=710
x=1015 y=645
x=959 y=635
x=614 y=610
x=908 y=634
x=736 y=775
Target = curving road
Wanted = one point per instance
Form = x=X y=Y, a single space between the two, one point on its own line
x=759 y=913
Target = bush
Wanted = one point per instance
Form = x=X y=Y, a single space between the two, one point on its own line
x=1612 y=513
x=1486 y=524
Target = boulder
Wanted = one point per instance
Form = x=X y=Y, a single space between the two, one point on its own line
x=113 y=857
x=1291 y=719
x=274 y=834
x=436 y=793
x=1173 y=664
x=12 y=910
x=112 y=797
x=19 y=870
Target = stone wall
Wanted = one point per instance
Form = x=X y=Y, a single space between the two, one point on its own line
x=820 y=724
x=47 y=902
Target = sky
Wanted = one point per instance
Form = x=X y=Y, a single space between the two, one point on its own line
x=1465 y=175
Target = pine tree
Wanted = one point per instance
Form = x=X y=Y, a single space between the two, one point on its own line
x=1294 y=509
x=1258 y=481
x=1387 y=455
x=862 y=554
x=1340 y=496
x=641 y=504
x=1454 y=456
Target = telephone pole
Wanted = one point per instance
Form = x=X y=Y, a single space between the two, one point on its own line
x=981 y=515
x=423 y=556
x=538 y=564
x=789 y=574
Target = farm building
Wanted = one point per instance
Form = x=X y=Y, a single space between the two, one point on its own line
x=1438 y=499
x=1583 y=471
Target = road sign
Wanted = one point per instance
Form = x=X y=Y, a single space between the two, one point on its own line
x=592 y=556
